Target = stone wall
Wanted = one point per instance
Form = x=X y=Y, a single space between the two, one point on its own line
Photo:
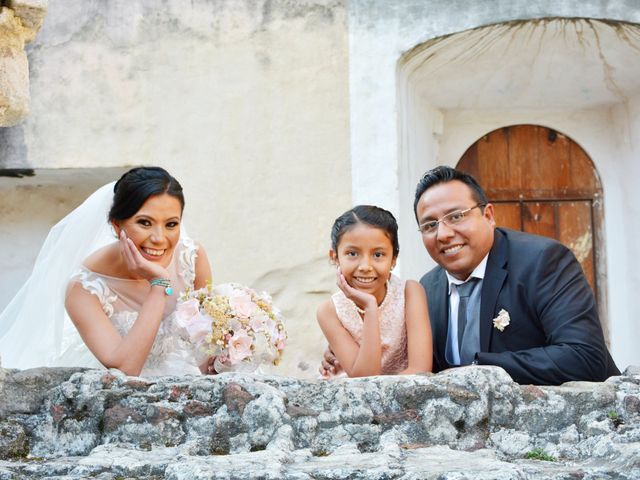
x=20 y=20
x=466 y=423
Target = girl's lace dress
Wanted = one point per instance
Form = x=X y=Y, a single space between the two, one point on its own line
x=393 y=331
x=122 y=299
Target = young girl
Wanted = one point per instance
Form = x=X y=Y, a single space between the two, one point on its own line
x=376 y=324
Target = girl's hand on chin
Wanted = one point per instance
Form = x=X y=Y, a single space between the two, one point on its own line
x=138 y=266
x=361 y=299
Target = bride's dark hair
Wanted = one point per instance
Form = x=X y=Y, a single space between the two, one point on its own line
x=137 y=185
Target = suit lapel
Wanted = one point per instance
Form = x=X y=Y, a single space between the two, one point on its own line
x=439 y=311
x=494 y=278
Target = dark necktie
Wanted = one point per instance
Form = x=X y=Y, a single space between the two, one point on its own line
x=464 y=291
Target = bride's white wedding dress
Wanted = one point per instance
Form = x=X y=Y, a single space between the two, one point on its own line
x=35 y=329
x=122 y=299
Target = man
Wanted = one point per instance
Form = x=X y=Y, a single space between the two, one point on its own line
x=501 y=297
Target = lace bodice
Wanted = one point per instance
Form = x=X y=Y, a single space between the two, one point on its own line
x=122 y=299
x=393 y=331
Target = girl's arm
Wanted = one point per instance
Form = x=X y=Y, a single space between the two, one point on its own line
x=416 y=317
x=357 y=360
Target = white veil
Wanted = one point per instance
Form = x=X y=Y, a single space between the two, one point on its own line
x=34 y=328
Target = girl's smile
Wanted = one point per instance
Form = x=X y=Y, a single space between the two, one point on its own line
x=365 y=258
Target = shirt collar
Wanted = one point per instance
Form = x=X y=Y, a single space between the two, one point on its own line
x=478 y=272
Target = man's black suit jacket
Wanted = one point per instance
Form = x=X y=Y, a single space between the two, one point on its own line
x=554 y=335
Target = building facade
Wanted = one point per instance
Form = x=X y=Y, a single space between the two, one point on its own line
x=277 y=116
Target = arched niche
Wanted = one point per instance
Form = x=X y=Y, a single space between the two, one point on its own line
x=577 y=76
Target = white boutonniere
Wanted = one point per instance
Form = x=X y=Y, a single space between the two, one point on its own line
x=502 y=320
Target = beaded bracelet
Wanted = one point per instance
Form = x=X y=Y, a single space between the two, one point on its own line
x=165 y=283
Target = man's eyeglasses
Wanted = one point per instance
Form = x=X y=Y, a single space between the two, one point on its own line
x=452 y=219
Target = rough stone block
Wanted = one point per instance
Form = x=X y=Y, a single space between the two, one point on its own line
x=13 y=441
x=31 y=14
x=632 y=370
x=14 y=70
x=24 y=391
x=241 y=426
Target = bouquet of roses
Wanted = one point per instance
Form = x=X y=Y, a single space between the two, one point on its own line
x=233 y=323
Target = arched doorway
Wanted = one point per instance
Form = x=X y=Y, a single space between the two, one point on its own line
x=542 y=182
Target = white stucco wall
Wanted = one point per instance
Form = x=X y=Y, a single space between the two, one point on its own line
x=245 y=102
x=276 y=116
x=622 y=208
x=30 y=207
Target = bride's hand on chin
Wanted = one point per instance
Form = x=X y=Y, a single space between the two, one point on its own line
x=138 y=266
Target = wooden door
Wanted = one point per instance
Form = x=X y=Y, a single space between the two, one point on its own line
x=540 y=181
x=569 y=221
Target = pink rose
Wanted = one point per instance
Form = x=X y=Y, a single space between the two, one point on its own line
x=271 y=327
x=188 y=316
x=239 y=346
x=242 y=305
x=257 y=322
x=185 y=311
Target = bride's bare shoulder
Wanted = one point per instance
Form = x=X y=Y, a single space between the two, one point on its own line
x=105 y=261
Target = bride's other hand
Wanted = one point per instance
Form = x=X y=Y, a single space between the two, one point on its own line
x=137 y=265
x=207 y=367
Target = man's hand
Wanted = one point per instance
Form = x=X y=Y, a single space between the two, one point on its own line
x=330 y=365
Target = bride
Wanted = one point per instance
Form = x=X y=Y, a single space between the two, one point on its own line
x=120 y=295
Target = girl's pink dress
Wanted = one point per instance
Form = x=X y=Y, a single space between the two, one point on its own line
x=393 y=330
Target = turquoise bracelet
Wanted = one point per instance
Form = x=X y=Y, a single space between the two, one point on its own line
x=165 y=283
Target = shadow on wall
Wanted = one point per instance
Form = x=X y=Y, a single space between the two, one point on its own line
x=13 y=149
x=306 y=342
x=31 y=205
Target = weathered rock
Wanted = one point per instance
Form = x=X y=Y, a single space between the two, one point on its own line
x=13 y=441
x=464 y=423
x=14 y=70
x=632 y=370
x=23 y=391
x=20 y=20
x=31 y=14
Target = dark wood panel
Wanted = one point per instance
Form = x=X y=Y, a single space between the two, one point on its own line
x=524 y=150
x=539 y=218
x=508 y=215
x=574 y=219
x=493 y=159
x=553 y=162
x=582 y=170
x=533 y=162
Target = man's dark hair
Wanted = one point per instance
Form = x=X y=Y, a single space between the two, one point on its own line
x=444 y=174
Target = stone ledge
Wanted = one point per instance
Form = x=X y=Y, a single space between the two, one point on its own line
x=463 y=423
